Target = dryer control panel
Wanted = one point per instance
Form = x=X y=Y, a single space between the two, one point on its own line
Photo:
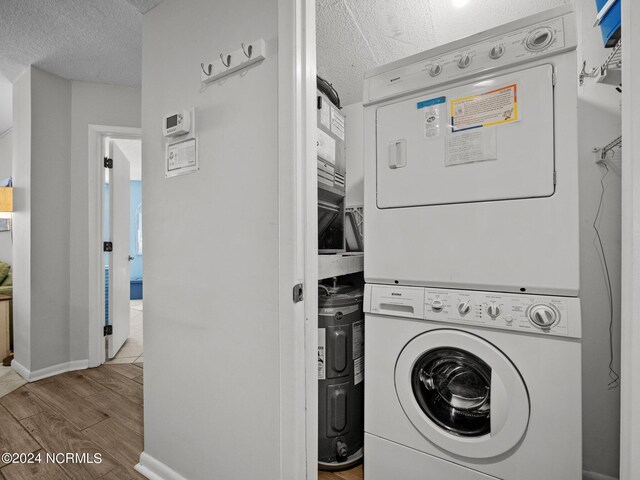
x=533 y=314
x=488 y=52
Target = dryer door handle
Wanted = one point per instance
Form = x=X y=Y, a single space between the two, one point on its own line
x=499 y=404
x=397 y=154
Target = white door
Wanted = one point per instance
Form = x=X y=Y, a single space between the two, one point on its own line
x=119 y=276
x=462 y=393
x=484 y=141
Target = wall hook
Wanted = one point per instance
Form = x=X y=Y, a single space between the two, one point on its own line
x=228 y=62
x=248 y=55
x=207 y=71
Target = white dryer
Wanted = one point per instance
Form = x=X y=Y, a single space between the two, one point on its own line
x=471 y=164
x=468 y=385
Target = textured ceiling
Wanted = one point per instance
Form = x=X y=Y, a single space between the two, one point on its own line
x=357 y=35
x=90 y=40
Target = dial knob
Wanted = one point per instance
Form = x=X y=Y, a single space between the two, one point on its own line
x=544 y=316
x=494 y=311
x=508 y=319
x=497 y=51
x=464 y=61
x=539 y=39
x=437 y=305
x=464 y=307
x=435 y=70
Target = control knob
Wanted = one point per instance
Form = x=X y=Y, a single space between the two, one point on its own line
x=494 y=311
x=543 y=316
x=435 y=70
x=464 y=307
x=497 y=51
x=464 y=61
x=437 y=305
x=539 y=39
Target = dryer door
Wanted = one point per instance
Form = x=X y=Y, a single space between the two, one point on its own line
x=462 y=393
x=487 y=140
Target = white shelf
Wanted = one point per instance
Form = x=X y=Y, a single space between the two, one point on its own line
x=339 y=264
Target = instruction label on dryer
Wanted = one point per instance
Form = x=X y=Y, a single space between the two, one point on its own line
x=430 y=117
x=496 y=107
x=470 y=147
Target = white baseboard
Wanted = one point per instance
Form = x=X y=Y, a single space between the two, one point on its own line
x=595 y=476
x=32 y=376
x=155 y=470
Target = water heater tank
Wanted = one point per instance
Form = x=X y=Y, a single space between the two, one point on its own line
x=340 y=377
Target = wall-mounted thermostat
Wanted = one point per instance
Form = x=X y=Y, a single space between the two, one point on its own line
x=177 y=124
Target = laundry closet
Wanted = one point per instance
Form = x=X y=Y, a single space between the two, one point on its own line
x=465 y=184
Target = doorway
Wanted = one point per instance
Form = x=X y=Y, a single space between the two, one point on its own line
x=122 y=257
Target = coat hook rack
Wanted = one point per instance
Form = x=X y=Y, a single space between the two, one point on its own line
x=247 y=55
x=207 y=71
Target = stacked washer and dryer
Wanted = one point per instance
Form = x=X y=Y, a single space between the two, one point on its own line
x=472 y=316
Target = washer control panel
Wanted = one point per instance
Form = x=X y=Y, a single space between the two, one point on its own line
x=526 y=313
x=424 y=71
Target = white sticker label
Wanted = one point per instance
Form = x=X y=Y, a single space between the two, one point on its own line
x=325 y=113
x=322 y=354
x=470 y=147
x=326 y=147
x=182 y=157
x=430 y=116
x=358 y=370
x=431 y=122
x=358 y=339
x=337 y=123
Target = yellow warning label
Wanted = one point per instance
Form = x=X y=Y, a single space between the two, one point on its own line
x=496 y=107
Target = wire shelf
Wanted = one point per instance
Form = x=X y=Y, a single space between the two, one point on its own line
x=610 y=72
x=617 y=143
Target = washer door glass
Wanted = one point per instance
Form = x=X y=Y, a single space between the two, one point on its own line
x=453 y=388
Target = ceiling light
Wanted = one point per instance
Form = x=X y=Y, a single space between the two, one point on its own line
x=459 y=3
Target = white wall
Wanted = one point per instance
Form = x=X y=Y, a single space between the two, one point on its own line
x=599 y=124
x=22 y=219
x=91 y=104
x=6 y=159
x=42 y=103
x=211 y=248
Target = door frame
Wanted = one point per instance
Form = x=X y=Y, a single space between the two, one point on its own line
x=630 y=301
x=95 y=204
x=298 y=250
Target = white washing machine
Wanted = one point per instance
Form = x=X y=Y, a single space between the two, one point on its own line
x=465 y=385
x=471 y=164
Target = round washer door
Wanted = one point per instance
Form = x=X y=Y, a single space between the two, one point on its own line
x=462 y=393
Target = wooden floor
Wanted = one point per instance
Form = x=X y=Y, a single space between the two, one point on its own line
x=356 y=473
x=99 y=410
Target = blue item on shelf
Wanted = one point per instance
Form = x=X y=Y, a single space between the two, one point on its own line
x=610 y=23
x=136 y=289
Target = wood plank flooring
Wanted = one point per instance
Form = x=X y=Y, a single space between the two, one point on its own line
x=356 y=473
x=88 y=412
x=93 y=411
